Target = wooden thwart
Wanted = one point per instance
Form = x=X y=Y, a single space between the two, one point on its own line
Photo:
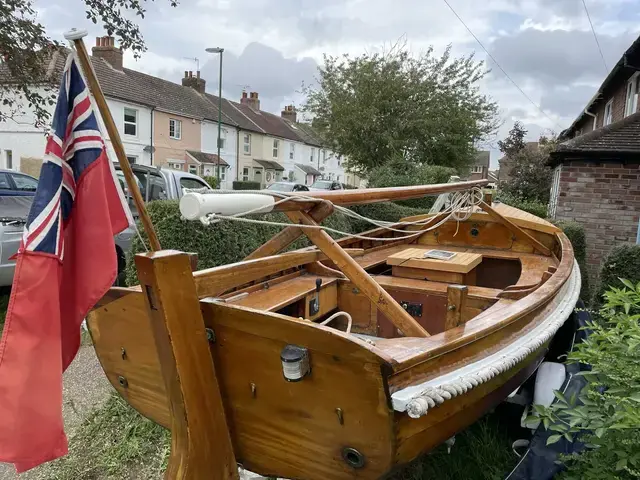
x=360 y=278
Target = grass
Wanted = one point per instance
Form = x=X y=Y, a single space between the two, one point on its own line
x=116 y=442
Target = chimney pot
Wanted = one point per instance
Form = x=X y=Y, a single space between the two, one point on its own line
x=97 y=41
x=186 y=74
x=198 y=74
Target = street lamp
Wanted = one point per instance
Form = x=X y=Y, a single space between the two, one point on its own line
x=220 y=51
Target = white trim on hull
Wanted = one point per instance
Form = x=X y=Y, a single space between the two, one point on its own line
x=417 y=399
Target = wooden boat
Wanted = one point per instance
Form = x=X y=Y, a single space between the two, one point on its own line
x=433 y=344
x=241 y=364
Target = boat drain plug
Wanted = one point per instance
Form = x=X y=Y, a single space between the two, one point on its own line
x=353 y=457
x=295 y=362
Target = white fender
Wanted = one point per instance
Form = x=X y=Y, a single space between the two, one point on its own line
x=550 y=377
x=194 y=206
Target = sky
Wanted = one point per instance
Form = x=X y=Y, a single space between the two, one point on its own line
x=273 y=47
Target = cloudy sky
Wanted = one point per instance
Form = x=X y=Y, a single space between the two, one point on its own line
x=273 y=46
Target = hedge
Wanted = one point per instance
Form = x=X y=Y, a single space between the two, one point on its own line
x=212 y=181
x=539 y=209
x=623 y=261
x=576 y=234
x=228 y=242
x=245 y=185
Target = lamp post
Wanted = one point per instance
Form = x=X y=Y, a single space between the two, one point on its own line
x=220 y=51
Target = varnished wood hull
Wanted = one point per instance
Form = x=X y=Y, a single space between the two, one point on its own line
x=301 y=429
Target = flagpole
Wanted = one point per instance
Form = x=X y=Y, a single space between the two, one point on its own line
x=76 y=36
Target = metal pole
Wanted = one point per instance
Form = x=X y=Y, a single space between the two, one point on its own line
x=219 y=118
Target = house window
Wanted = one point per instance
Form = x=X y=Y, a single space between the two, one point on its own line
x=631 y=103
x=130 y=122
x=8 y=159
x=275 y=148
x=193 y=169
x=175 y=165
x=477 y=169
x=245 y=174
x=608 y=113
x=324 y=156
x=595 y=122
x=292 y=150
x=222 y=139
x=132 y=159
x=246 y=148
x=313 y=154
x=223 y=174
x=175 y=129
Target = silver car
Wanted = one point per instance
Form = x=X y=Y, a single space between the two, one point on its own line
x=154 y=183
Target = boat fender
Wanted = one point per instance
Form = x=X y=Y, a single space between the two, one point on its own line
x=550 y=377
x=194 y=206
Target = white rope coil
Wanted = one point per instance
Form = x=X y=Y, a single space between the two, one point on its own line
x=436 y=393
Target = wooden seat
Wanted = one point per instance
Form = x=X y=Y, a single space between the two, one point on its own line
x=411 y=263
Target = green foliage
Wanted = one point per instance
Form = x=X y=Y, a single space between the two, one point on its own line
x=4 y=303
x=114 y=442
x=223 y=243
x=535 y=207
x=529 y=175
x=623 y=261
x=26 y=49
x=400 y=173
x=606 y=413
x=212 y=181
x=245 y=185
x=576 y=234
x=378 y=106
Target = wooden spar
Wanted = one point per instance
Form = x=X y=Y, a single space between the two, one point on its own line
x=516 y=230
x=360 y=196
x=290 y=234
x=360 y=278
x=94 y=87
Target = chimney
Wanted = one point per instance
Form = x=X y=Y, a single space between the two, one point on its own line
x=197 y=83
x=289 y=113
x=105 y=48
x=252 y=101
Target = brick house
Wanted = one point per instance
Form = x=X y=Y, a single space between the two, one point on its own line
x=480 y=167
x=596 y=168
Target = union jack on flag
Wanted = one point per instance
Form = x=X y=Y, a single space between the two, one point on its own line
x=66 y=263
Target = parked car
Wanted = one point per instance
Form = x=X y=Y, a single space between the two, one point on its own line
x=16 y=184
x=326 y=185
x=288 y=187
x=155 y=184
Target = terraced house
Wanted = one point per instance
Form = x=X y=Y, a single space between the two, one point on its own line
x=176 y=126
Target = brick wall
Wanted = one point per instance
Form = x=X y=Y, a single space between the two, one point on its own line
x=605 y=199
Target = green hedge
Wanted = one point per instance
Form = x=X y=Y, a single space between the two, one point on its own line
x=228 y=242
x=576 y=234
x=245 y=185
x=212 y=181
x=539 y=209
x=623 y=261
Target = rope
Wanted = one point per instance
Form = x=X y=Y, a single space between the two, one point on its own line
x=340 y=314
x=437 y=392
x=460 y=209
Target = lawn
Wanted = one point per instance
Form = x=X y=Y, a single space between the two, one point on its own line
x=115 y=442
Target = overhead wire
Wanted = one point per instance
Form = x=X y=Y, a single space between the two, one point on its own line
x=500 y=67
x=604 y=62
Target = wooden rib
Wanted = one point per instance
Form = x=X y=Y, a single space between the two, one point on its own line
x=290 y=234
x=456 y=300
x=198 y=421
x=360 y=278
x=516 y=230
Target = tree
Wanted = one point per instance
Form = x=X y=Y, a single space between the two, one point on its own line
x=514 y=142
x=375 y=107
x=25 y=48
x=528 y=173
